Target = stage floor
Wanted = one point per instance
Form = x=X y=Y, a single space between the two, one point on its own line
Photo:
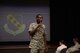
x=22 y=49
x=21 y=46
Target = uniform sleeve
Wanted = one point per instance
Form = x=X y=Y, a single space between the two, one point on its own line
x=31 y=27
x=44 y=26
x=45 y=31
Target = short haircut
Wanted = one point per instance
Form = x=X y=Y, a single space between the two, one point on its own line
x=76 y=39
x=38 y=15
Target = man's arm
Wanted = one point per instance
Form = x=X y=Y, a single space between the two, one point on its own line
x=34 y=31
x=45 y=42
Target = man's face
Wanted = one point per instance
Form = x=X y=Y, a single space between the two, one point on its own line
x=39 y=19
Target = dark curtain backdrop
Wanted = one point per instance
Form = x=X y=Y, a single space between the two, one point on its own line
x=64 y=20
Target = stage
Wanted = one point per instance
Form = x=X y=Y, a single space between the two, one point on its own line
x=22 y=49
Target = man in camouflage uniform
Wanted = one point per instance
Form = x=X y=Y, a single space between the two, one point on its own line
x=37 y=33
